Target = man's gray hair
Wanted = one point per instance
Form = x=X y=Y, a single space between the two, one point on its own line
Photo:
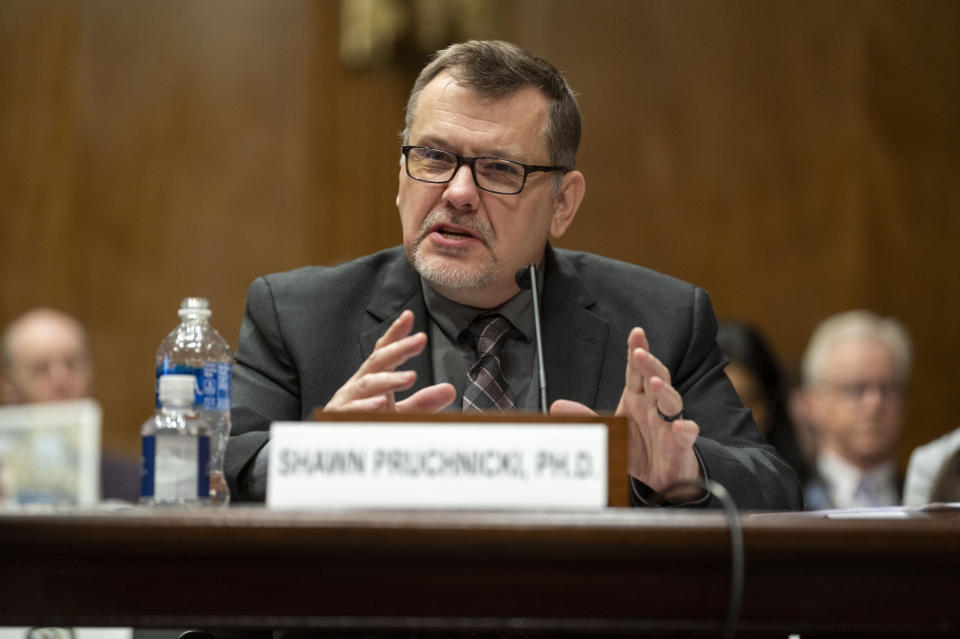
x=856 y=325
x=494 y=68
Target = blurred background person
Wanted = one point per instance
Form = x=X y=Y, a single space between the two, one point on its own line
x=925 y=464
x=946 y=485
x=45 y=358
x=855 y=373
x=759 y=380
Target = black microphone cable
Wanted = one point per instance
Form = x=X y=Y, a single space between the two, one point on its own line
x=735 y=526
x=736 y=556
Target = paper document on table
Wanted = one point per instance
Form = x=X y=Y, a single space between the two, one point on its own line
x=886 y=512
x=889 y=512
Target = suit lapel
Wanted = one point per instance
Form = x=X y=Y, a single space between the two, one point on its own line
x=398 y=289
x=575 y=337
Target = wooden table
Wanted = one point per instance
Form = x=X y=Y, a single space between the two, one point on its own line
x=615 y=571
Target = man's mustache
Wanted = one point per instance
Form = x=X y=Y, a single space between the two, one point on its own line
x=446 y=216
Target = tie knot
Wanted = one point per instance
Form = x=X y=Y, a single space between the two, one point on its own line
x=489 y=332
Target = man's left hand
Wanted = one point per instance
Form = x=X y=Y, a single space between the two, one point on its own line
x=660 y=451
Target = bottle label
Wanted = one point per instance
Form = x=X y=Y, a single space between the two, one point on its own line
x=148 y=467
x=175 y=468
x=213 y=383
x=215 y=386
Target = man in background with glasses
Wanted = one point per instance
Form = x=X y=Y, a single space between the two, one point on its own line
x=855 y=373
x=45 y=357
x=486 y=177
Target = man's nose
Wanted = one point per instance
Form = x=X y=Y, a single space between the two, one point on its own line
x=462 y=192
x=873 y=398
x=58 y=370
x=62 y=376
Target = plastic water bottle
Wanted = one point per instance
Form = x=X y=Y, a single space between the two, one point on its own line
x=176 y=447
x=196 y=348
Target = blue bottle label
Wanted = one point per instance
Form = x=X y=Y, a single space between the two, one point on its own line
x=213 y=383
x=203 y=467
x=223 y=386
x=176 y=468
x=148 y=466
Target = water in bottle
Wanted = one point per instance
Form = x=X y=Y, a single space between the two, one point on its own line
x=196 y=348
x=176 y=447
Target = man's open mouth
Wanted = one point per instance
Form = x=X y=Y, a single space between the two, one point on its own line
x=453 y=232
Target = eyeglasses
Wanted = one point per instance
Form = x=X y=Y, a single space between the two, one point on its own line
x=496 y=175
x=856 y=391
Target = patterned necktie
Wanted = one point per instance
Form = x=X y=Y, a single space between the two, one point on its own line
x=486 y=386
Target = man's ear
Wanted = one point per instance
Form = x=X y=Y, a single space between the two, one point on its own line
x=400 y=180
x=567 y=202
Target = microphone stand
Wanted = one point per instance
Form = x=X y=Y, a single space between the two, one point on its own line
x=526 y=277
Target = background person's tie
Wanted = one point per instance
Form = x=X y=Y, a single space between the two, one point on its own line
x=486 y=387
x=867 y=493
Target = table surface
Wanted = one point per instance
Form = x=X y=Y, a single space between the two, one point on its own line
x=613 y=571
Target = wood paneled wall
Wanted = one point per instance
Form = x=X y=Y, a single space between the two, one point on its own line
x=794 y=159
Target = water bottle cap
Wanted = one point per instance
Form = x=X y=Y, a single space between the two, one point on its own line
x=178 y=389
x=195 y=302
x=195 y=306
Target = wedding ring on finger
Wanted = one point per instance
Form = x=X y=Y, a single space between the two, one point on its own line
x=669 y=418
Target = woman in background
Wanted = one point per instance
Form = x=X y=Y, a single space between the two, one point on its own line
x=762 y=387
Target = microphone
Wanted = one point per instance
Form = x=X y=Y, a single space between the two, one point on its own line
x=526 y=278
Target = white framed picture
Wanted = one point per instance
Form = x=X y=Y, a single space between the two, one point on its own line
x=50 y=453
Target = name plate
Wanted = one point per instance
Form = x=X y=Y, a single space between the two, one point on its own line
x=437 y=465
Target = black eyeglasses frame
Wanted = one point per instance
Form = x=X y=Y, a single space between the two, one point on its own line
x=461 y=160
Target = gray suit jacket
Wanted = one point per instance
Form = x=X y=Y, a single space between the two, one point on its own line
x=305 y=332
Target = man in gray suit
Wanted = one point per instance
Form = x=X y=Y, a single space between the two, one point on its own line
x=486 y=177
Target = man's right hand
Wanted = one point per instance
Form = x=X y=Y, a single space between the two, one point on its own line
x=372 y=387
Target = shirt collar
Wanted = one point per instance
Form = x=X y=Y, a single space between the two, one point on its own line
x=843 y=478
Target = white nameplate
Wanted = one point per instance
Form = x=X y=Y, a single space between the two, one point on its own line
x=437 y=465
